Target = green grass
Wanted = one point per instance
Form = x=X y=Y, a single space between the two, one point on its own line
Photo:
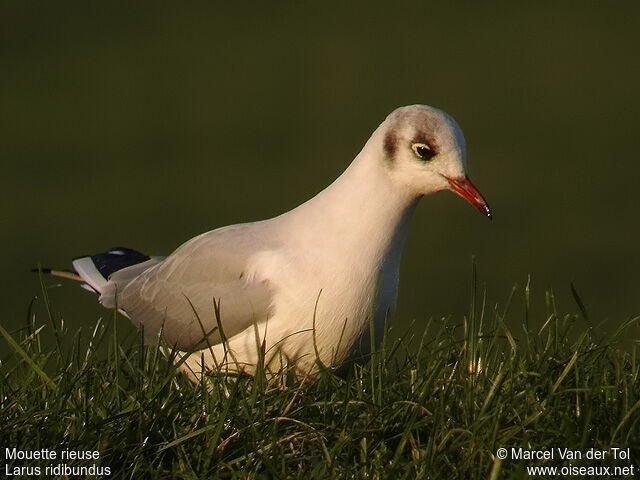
x=437 y=403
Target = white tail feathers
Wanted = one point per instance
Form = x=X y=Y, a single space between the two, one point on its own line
x=89 y=273
x=108 y=273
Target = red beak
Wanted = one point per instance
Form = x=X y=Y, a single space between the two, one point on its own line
x=471 y=194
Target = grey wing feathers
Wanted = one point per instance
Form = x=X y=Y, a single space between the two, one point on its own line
x=176 y=296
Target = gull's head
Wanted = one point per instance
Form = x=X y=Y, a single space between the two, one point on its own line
x=423 y=149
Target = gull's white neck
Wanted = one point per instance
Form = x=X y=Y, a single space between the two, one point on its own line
x=362 y=216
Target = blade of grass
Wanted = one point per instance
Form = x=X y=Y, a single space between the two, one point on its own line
x=18 y=349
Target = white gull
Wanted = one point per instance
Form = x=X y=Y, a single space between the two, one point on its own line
x=303 y=287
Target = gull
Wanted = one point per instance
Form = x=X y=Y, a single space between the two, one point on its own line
x=304 y=288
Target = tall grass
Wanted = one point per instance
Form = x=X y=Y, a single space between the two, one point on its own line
x=437 y=402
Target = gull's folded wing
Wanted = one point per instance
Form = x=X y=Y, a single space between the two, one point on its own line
x=176 y=297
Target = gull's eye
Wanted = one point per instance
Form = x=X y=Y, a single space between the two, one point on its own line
x=423 y=151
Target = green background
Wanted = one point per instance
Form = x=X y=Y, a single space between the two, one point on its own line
x=144 y=125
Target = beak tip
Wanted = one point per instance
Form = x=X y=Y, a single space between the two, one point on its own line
x=467 y=190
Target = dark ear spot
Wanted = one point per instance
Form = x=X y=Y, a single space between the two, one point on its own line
x=390 y=144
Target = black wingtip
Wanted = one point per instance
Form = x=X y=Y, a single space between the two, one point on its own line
x=117 y=258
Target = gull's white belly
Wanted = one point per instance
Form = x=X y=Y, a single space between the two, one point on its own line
x=327 y=312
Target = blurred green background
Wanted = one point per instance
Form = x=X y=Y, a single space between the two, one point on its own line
x=143 y=125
